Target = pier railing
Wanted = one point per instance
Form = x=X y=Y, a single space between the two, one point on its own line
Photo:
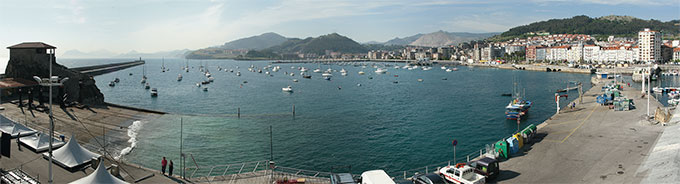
x=405 y=175
x=254 y=171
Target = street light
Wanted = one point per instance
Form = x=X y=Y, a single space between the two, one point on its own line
x=50 y=82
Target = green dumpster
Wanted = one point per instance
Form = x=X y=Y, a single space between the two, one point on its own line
x=501 y=148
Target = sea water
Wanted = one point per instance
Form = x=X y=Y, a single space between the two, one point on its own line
x=390 y=121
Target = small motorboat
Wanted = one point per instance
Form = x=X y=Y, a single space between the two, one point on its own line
x=455 y=69
x=238 y=73
x=318 y=70
x=307 y=76
x=445 y=78
x=449 y=70
x=147 y=86
x=179 y=77
x=295 y=80
x=198 y=84
x=420 y=80
x=506 y=94
x=112 y=83
x=117 y=80
x=205 y=88
x=361 y=72
x=381 y=71
x=287 y=89
x=154 y=92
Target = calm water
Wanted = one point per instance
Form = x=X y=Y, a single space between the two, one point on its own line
x=378 y=125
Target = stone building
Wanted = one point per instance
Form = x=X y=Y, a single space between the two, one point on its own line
x=30 y=59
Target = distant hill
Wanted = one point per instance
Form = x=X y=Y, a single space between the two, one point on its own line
x=442 y=38
x=319 y=45
x=161 y=54
x=403 y=41
x=259 y=42
x=93 y=54
x=607 y=25
x=438 y=39
x=131 y=54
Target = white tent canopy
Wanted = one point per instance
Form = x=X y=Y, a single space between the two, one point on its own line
x=40 y=142
x=72 y=154
x=100 y=175
x=13 y=128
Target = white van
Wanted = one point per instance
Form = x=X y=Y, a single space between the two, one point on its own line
x=376 y=177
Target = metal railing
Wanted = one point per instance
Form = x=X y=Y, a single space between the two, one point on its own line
x=405 y=175
x=236 y=170
x=248 y=170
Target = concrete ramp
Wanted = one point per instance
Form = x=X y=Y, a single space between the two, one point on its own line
x=107 y=68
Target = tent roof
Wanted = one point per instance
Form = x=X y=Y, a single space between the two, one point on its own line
x=72 y=154
x=100 y=175
x=13 y=128
x=40 y=142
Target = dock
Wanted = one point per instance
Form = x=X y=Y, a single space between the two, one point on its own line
x=588 y=144
x=107 y=68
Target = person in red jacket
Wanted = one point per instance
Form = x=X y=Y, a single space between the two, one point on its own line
x=163 y=164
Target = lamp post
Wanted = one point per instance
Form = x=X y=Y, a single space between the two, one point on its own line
x=50 y=82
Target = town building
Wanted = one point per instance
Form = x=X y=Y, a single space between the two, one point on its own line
x=649 y=43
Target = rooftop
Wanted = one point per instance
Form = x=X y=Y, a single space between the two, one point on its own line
x=32 y=45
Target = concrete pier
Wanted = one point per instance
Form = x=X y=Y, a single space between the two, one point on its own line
x=107 y=68
x=589 y=144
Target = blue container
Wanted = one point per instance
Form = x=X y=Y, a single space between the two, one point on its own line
x=513 y=145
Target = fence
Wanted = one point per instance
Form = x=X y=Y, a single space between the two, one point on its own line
x=254 y=172
x=405 y=175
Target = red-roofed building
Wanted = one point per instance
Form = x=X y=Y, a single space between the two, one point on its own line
x=676 y=54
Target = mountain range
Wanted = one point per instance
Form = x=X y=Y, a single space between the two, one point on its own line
x=319 y=45
x=132 y=54
x=258 y=42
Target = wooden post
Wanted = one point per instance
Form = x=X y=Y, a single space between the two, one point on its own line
x=239 y=112
x=293 y=109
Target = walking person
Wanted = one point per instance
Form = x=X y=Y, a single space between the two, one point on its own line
x=163 y=164
x=170 y=169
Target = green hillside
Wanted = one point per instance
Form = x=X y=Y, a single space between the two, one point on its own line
x=607 y=25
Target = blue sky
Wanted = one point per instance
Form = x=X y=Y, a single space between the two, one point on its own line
x=155 y=25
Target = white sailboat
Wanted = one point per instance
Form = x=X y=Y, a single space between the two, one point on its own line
x=381 y=71
x=143 y=74
x=287 y=89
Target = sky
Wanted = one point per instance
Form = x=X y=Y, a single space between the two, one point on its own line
x=153 y=25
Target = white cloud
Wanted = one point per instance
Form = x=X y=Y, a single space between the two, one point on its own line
x=74 y=13
x=614 y=2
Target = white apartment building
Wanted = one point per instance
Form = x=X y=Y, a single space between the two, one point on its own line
x=649 y=43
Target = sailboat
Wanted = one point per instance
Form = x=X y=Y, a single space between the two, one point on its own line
x=143 y=74
x=163 y=66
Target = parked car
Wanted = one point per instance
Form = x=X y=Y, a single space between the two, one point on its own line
x=430 y=178
x=376 y=177
x=486 y=166
x=342 y=178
